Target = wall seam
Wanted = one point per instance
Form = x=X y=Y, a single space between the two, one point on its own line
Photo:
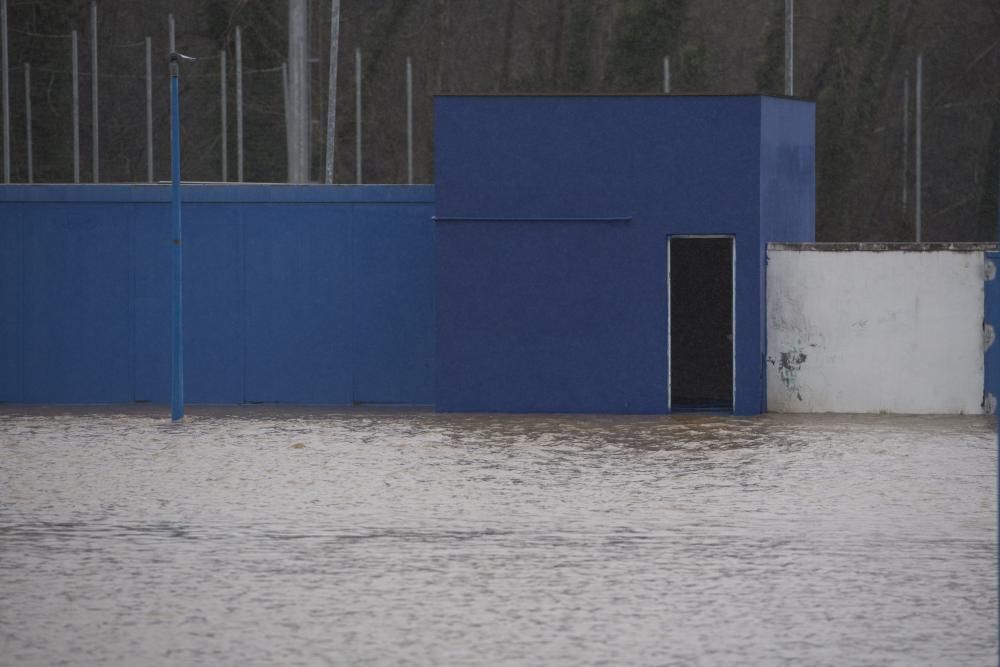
x=352 y=328
x=22 y=310
x=243 y=303
x=132 y=301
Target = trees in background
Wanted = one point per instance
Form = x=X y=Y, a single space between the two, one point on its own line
x=851 y=57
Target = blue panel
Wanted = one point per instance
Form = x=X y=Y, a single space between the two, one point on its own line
x=298 y=304
x=542 y=317
x=992 y=317
x=77 y=304
x=213 y=304
x=98 y=312
x=10 y=304
x=787 y=171
x=152 y=302
x=393 y=304
x=546 y=316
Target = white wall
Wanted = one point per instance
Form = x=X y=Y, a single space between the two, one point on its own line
x=868 y=331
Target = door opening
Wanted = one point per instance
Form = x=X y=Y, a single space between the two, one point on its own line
x=701 y=333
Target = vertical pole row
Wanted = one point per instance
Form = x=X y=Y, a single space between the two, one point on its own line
x=239 y=106
x=409 y=120
x=918 y=186
x=289 y=148
x=177 y=339
x=357 y=113
x=149 y=109
x=298 y=90
x=331 y=98
x=906 y=139
x=666 y=74
x=6 y=91
x=789 y=47
x=76 y=109
x=223 y=119
x=95 y=140
x=27 y=114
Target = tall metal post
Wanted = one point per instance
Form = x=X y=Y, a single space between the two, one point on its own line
x=177 y=306
x=239 y=106
x=789 y=47
x=918 y=192
x=409 y=120
x=149 y=109
x=27 y=114
x=331 y=98
x=223 y=116
x=298 y=89
x=666 y=74
x=76 y=110
x=906 y=139
x=289 y=149
x=357 y=113
x=6 y=91
x=95 y=140
x=172 y=34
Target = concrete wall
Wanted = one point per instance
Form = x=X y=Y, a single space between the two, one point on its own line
x=875 y=330
x=301 y=294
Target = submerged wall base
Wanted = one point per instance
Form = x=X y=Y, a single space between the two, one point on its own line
x=875 y=328
x=298 y=294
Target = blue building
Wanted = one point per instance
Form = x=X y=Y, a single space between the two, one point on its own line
x=606 y=253
x=578 y=254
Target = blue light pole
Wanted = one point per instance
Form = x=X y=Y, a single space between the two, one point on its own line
x=177 y=310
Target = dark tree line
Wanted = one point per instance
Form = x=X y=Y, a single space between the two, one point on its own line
x=851 y=57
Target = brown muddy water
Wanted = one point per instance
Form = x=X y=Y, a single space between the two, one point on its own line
x=252 y=536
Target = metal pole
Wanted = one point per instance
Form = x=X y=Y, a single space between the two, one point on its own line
x=27 y=113
x=6 y=92
x=298 y=90
x=222 y=113
x=357 y=113
x=95 y=140
x=171 y=39
x=331 y=99
x=918 y=187
x=666 y=74
x=239 y=106
x=177 y=309
x=289 y=149
x=149 y=109
x=906 y=139
x=76 y=110
x=409 y=120
x=789 y=47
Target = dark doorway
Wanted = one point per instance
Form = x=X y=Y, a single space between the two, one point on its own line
x=701 y=323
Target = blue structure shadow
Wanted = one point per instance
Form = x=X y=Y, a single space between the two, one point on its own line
x=303 y=294
x=553 y=214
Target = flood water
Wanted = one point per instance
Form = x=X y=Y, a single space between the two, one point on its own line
x=253 y=536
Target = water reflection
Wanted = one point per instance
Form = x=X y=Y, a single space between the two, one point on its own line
x=295 y=536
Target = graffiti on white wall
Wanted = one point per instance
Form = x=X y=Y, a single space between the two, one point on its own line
x=874 y=331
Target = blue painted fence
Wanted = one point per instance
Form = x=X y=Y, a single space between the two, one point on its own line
x=300 y=294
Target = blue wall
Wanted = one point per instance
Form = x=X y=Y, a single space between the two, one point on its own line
x=552 y=221
x=302 y=294
x=991 y=359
